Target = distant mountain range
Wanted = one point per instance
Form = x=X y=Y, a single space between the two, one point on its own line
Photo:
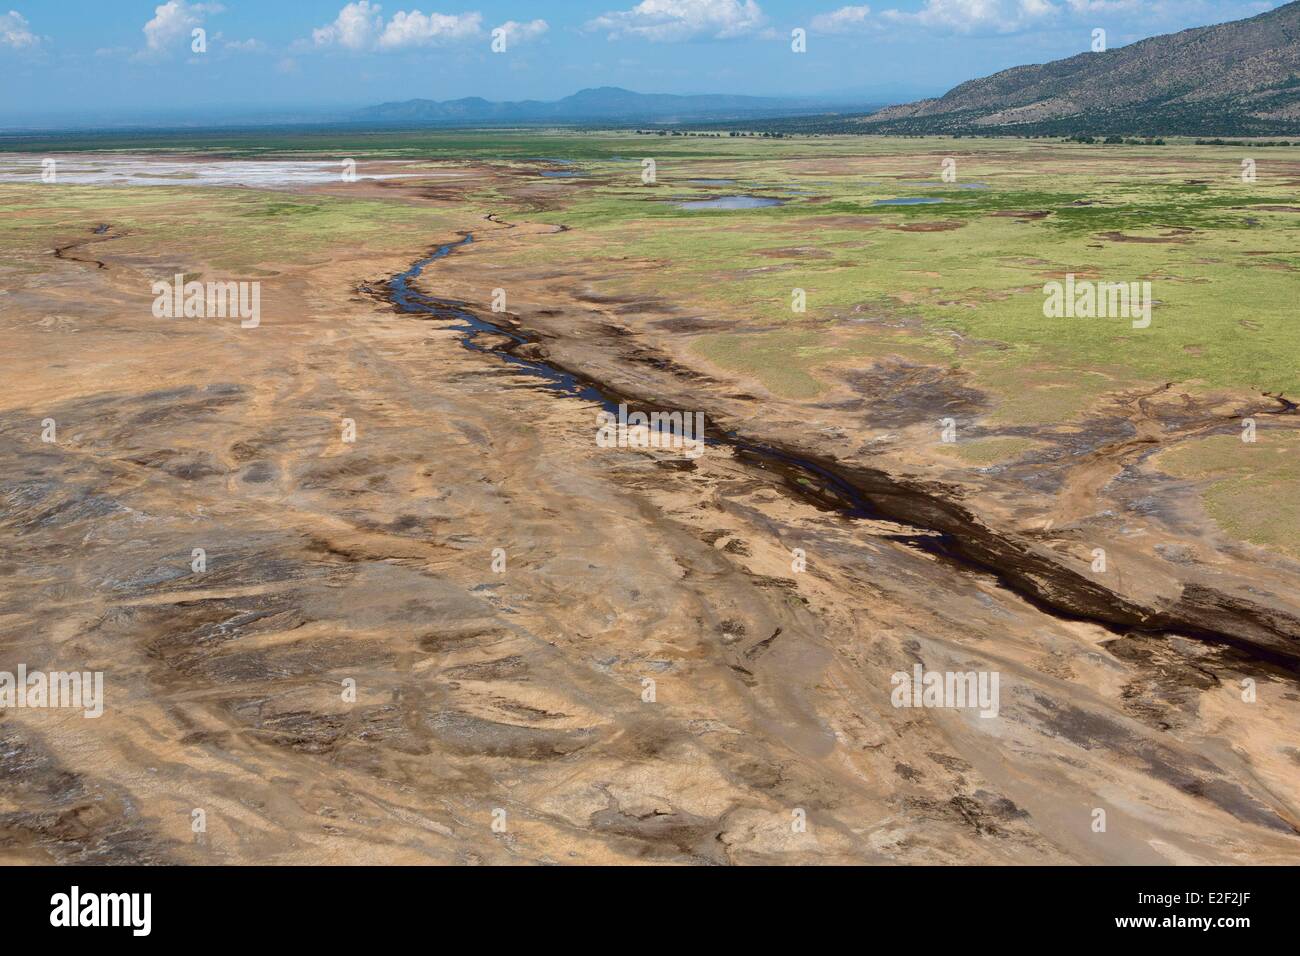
x=1235 y=79
x=606 y=104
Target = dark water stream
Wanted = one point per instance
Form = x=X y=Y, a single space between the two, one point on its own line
x=810 y=479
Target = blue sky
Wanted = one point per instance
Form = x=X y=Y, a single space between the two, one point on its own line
x=114 y=58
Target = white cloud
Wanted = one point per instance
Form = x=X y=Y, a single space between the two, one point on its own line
x=356 y=27
x=245 y=46
x=523 y=32
x=843 y=20
x=361 y=26
x=416 y=29
x=682 y=19
x=173 y=21
x=14 y=32
x=976 y=16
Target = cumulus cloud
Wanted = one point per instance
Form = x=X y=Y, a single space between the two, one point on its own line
x=173 y=21
x=14 y=32
x=666 y=20
x=361 y=26
x=976 y=16
x=517 y=32
x=416 y=29
x=356 y=27
x=843 y=20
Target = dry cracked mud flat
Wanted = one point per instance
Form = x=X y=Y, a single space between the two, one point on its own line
x=518 y=696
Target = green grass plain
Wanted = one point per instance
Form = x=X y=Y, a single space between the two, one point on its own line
x=1223 y=269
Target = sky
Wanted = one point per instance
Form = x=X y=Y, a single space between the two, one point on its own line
x=89 y=61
